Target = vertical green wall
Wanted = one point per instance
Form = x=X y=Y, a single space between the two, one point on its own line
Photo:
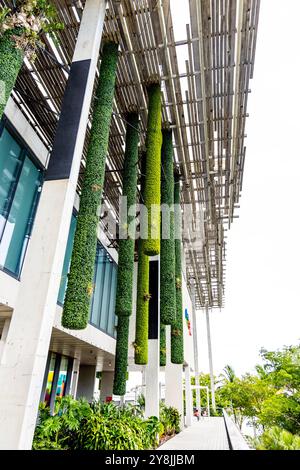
x=143 y=295
x=126 y=255
x=167 y=247
x=177 y=351
x=153 y=170
x=80 y=278
x=11 y=60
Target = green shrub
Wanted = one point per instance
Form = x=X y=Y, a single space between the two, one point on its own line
x=143 y=295
x=167 y=250
x=76 y=425
x=80 y=278
x=162 y=346
x=177 y=350
x=121 y=360
x=170 y=419
x=153 y=170
x=277 y=438
x=59 y=432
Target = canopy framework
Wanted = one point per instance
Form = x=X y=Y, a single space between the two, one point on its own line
x=207 y=116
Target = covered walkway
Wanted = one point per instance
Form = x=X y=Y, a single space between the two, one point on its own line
x=207 y=434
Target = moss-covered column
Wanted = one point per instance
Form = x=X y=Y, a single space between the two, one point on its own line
x=162 y=346
x=80 y=279
x=143 y=295
x=153 y=170
x=177 y=351
x=126 y=256
x=11 y=60
x=167 y=249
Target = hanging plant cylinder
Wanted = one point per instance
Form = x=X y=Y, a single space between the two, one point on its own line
x=167 y=251
x=126 y=254
x=11 y=60
x=177 y=346
x=143 y=295
x=162 y=346
x=153 y=170
x=121 y=359
x=80 y=279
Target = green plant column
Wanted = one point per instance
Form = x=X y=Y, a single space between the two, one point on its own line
x=126 y=255
x=80 y=279
x=167 y=250
x=121 y=360
x=177 y=350
x=142 y=308
x=11 y=60
x=153 y=170
x=162 y=346
x=143 y=295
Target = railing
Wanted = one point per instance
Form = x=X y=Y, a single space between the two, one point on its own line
x=235 y=438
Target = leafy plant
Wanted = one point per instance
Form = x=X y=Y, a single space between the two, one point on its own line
x=78 y=295
x=162 y=346
x=277 y=439
x=59 y=431
x=170 y=419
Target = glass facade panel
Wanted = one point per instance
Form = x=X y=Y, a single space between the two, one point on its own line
x=20 y=185
x=50 y=377
x=67 y=262
x=62 y=377
x=102 y=312
x=10 y=164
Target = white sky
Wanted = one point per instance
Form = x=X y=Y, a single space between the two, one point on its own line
x=263 y=254
x=263 y=250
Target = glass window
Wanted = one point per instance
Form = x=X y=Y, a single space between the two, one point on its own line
x=20 y=185
x=62 y=377
x=67 y=261
x=10 y=164
x=50 y=378
x=102 y=312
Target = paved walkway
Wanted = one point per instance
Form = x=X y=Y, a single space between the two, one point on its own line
x=207 y=434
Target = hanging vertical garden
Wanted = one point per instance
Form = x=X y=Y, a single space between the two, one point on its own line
x=177 y=351
x=162 y=346
x=20 y=32
x=167 y=251
x=143 y=295
x=153 y=170
x=80 y=279
x=126 y=256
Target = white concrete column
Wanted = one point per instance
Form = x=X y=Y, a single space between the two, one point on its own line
x=211 y=369
x=4 y=336
x=26 y=348
x=74 y=378
x=152 y=379
x=188 y=397
x=195 y=344
x=173 y=380
x=86 y=382
x=107 y=381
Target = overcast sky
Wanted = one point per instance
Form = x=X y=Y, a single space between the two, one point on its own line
x=263 y=253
